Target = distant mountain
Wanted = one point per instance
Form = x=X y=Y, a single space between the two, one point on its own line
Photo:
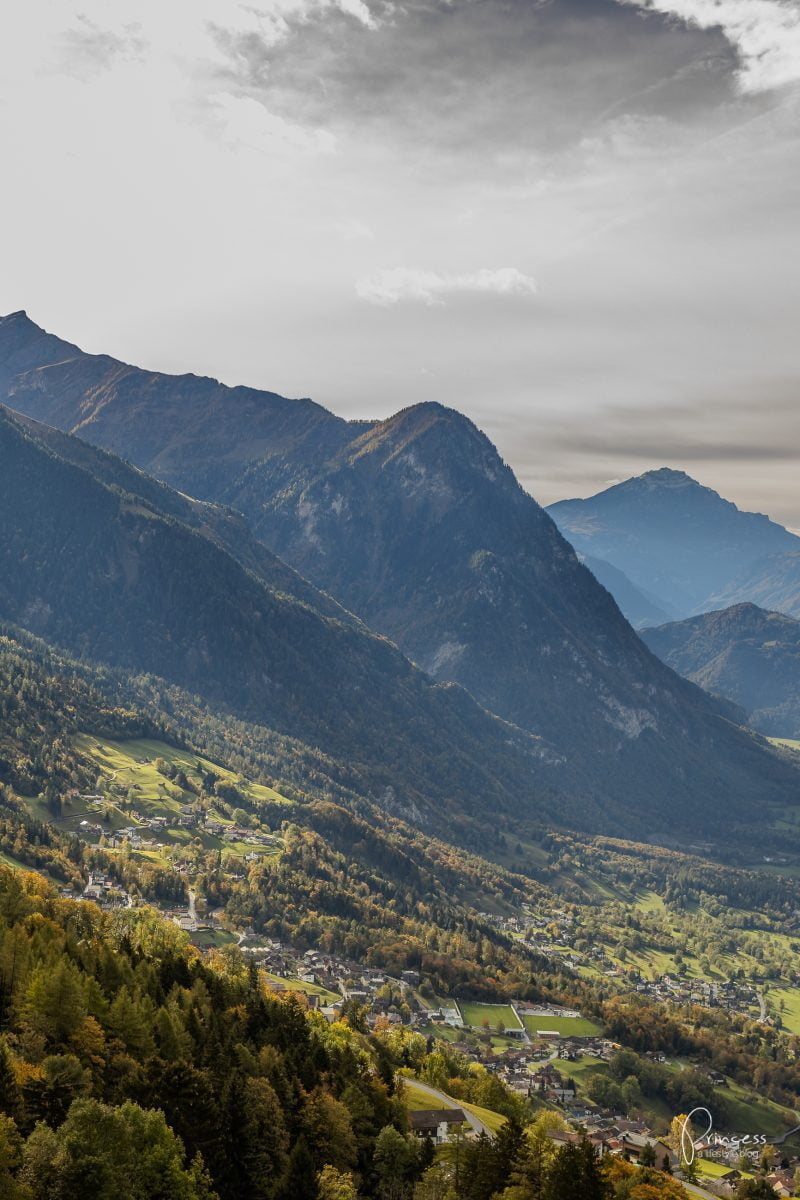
x=750 y=656
x=772 y=582
x=636 y=605
x=675 y=539
x=416 y=525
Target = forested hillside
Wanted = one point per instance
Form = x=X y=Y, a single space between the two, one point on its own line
x=349 y=874
x=131 y=1068
x=744 y=653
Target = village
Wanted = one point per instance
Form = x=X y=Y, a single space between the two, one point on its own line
x=542 y=1054
x=530 y=1048
x=536 y=932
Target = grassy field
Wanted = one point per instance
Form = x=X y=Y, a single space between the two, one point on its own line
x=581 y=1068
x=475 y=1014
x=204 y=938
x=310 y=989
x=566 y=1026
x=790 y=997
x=650 y=902
x=747 y=1112
x=130 y=764
x=793 y=745
x=445 y=1032
x=751 y=1113
x=9 y=861
x=127 y=770
x=416 y=1099
x=713 y=1170
x=491 y=1119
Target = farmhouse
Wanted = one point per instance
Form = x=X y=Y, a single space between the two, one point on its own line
x=436 y=1123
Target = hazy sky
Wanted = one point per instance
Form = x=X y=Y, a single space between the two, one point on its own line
x=576 y=220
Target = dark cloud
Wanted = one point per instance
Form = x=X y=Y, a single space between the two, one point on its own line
x=746 y=446
x=765 y=426
x=450 y=77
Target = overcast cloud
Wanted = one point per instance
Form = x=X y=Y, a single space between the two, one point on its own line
x=577 y=221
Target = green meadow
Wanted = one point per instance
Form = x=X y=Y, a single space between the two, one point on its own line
x=475 y=1014
x=566 y=1026
x=418 y=1100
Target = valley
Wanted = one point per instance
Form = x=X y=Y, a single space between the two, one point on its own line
x=411 y=785
x=399 y=600
x=155 y=803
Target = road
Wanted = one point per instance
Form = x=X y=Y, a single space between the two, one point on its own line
x=697 y=1191
x=778 y=1141
x=474 y=1122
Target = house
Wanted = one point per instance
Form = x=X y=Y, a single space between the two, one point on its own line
x=436 y=1123
x=634 y=1144
x=87 y=827
x=719 y=1187
x=97 y=885
x=782 y=1183
x=564 y=1137
x=628 y=1126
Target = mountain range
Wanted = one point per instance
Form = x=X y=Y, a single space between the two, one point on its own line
x=685 y=546
x=750 y=656
x=415 y=525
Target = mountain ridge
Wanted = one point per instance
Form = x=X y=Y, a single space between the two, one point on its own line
x=744 y=653
x=417 y=526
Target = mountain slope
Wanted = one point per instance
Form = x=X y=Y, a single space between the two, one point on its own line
x=743 y=653
x=421 y=529
x=106 y=575
x=416 y=525
x=772 y=582
x=676 y=539
x=637 y=606
x=223 y=526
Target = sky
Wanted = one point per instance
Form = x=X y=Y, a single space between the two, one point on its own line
x=577 y=221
